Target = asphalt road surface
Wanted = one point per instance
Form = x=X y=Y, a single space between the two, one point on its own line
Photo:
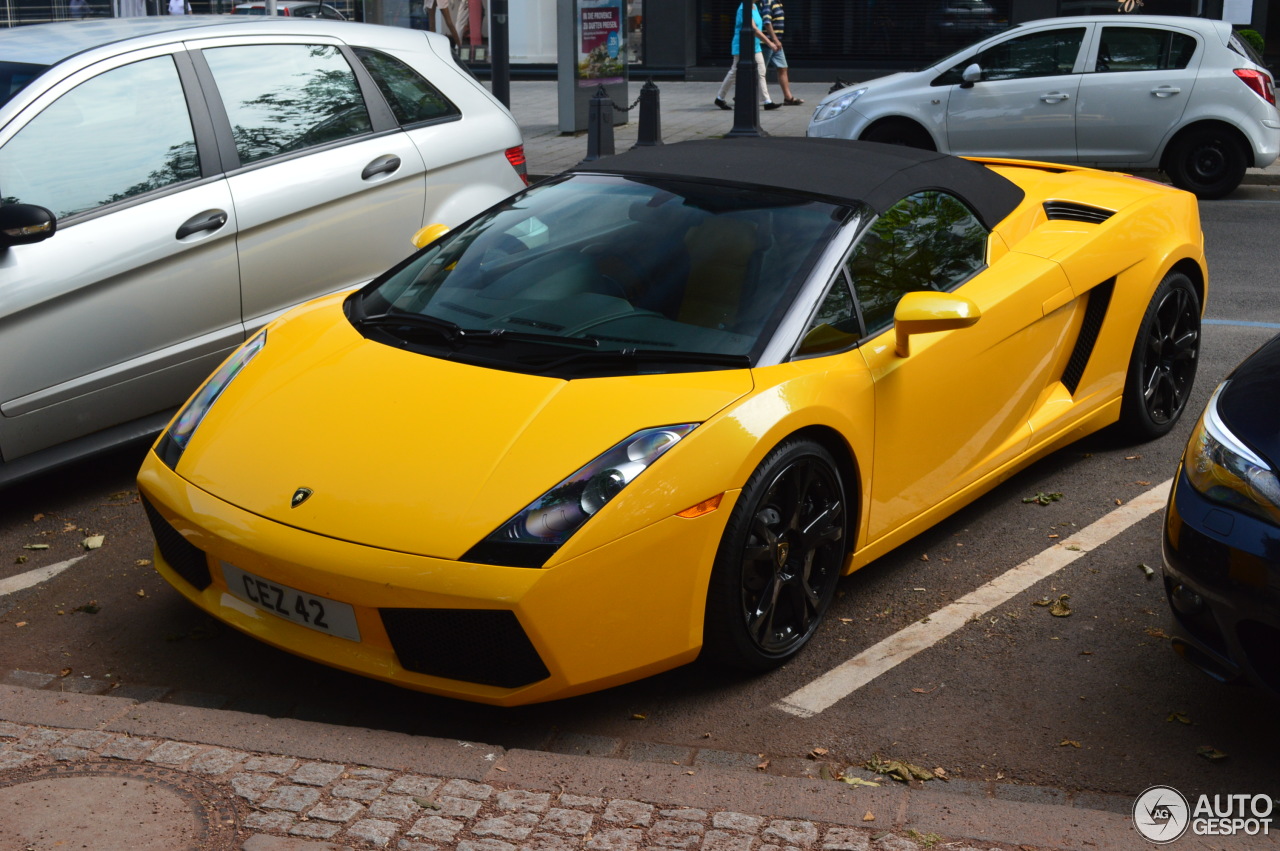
x=1092 y=701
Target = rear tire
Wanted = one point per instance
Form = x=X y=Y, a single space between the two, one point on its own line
x=900 y=132
x=1207 y=161
x=1162 y=367
x=779 y=560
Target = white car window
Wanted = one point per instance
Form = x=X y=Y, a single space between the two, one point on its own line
x=1039 y=54
x=285 y=97
x=1143 y=49
x=101 y=143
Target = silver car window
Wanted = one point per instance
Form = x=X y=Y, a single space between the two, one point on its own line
x=123 y=133
x=282 y=98
x=411 y=97
x=1045 y=53
x=1143 y=49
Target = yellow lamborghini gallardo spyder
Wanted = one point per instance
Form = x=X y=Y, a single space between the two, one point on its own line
x=654 y=407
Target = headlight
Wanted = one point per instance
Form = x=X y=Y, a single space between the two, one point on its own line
x=533 y=535
x=174 y=441
x=832 y=108
x=1222 y=468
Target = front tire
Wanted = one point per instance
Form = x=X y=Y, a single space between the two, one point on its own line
x=1163 y=365
x=1208 y=162
x=779 y=560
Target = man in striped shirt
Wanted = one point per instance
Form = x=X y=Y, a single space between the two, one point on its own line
x=775 y=21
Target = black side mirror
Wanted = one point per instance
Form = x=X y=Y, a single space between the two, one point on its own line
x=22 y=224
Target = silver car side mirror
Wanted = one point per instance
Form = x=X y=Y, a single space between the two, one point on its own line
x=971 y=75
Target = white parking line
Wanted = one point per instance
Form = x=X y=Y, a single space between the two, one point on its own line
x=34 y=577
x=849 y=676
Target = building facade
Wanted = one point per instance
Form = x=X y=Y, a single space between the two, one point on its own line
x=689 y=39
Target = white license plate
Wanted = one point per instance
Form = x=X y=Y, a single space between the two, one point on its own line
x=318 y=613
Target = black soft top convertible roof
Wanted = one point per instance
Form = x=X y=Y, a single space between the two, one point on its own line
x=875 y=174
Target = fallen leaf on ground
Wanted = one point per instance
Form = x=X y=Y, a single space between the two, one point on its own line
x=1156 y=632
x=1060 y=609
x=37 y=518
x=427 y=803
x=142 y=593
x=1210 y=753
x=35 y=546
x=93 y=541
x=65 y=672
x=858 y=781
x=1042 y=498
x=1146 y=570
x=1065 y=742
x=20 y=560
x=89 y=608
x=1179 y=716
x=20 y=623
x=870 y=816
x=817 y=752
x=143 y=562
x=765 y=764
x=637 y=717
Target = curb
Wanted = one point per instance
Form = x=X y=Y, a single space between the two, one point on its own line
x=707 y=807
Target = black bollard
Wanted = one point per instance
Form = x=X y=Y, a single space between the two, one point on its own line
x=746 y=97
x=650 y=132
x=599 y=126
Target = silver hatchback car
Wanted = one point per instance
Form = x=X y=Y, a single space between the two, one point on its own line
x=170 y=184
x=1184 y=95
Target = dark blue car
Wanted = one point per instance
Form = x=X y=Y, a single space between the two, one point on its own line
x=1222 y=530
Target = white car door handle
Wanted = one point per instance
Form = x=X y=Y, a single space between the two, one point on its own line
x=385 y=164
x=1055 y=97
x=1165 y=91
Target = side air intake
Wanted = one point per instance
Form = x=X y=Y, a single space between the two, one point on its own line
x=1094 y=312
x=1067 y=211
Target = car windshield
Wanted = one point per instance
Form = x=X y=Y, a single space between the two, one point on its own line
x=597 y=274
x=14 y=77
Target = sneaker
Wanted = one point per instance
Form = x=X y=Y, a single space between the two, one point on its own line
x=772 y=105
x=720 y=103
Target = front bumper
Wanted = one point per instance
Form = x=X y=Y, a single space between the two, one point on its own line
x=492 y=634
x=1222 y=578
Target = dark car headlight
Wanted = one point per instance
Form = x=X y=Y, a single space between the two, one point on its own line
x=530 y=537
x=1222 y=468
x=174 y=441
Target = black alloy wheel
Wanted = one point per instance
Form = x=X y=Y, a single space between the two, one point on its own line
x=779 y=561
x=1207 y=162
x=1165 y=356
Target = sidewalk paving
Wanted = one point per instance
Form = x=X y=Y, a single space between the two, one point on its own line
x=686 y=112
x=115 y=774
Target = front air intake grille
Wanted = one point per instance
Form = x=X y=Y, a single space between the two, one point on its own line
x=186 y=559
x=1067 y=211
x=1095 y=311
x=486 y=646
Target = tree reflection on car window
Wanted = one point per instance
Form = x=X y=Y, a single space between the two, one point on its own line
x=927 y=241
x=285 y=97
x=85 y=150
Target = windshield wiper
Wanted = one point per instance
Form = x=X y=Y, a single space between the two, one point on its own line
x=653 y=356
x=451 y=331
x=497 y=335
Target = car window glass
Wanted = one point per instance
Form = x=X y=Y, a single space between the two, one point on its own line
x=927 y=241
x=14 y=77
x=123 y=133
x=286 y=97
x=1143 y=49
x=1038 y=54
x=835 y=326
x=411 y=97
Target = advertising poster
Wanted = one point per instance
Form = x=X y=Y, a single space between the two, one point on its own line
x=602 y=53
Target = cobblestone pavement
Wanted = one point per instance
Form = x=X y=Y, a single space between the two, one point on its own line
x=287 y=804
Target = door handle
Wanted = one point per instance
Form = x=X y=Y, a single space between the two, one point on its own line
x=1055 y=97
x=1165 y=91
x=208 y=220
x=385 y=164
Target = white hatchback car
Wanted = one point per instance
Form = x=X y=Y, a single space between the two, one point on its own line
x=170 y=184
x=1184 y=95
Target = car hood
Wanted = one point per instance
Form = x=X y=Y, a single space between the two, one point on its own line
x=878 y=84
x=414 y=453
x=1242 y=404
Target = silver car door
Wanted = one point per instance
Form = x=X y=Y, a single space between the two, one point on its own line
x=1024 y=105
x=1138 y=84
x=135 y=298
x=328 y=192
